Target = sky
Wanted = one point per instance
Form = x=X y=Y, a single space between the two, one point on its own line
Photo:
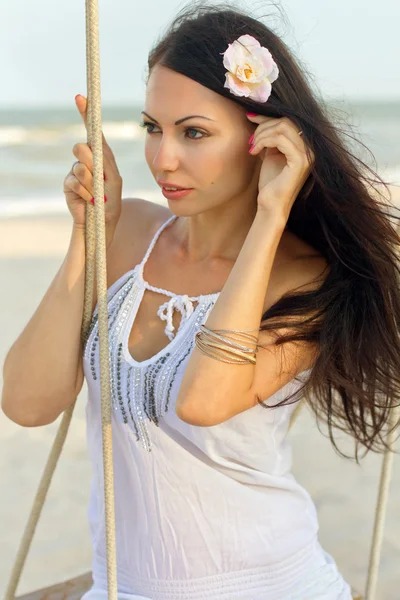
x=351 y=48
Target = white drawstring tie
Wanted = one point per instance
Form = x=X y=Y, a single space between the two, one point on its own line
x=182 y=303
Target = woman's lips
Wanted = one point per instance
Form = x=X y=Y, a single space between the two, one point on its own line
x=172 y=195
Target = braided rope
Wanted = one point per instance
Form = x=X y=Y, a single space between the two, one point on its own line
x=381 y=509
x=38 y=504
x=95 y=250
x=381 y=505
x=96 y=139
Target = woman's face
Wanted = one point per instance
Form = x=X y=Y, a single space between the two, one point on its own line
x=209 y=154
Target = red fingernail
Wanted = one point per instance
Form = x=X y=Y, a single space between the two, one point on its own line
x=251 y=147
x=251 y=138
x=251 y=114
x=105 y=199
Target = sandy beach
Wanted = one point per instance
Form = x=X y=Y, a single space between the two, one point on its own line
x=31 y=252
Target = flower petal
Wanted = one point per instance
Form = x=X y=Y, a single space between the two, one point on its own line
x=249 y=41
x=251 y=71
x=265 y=56
x=229 y=58
x=274 y=73
x=234 y=56
x=237 y=87
x=261 y=92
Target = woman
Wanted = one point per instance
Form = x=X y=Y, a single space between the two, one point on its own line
x=285 y=240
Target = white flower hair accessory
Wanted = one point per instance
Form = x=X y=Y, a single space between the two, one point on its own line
x=251 y=69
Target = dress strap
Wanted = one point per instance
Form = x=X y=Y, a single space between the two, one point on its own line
x=153 y=243
x=181 y=302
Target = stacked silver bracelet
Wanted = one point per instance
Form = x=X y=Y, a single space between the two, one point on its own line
x=209 y=342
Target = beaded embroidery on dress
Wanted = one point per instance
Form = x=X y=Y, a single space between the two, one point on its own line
x=140 y=391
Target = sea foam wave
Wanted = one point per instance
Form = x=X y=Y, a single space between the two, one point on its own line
x=113 y=130
x=56 y=205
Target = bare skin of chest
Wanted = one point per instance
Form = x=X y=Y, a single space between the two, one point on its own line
x=147 y=336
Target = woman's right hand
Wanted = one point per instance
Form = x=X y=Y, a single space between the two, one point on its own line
x=78 y=184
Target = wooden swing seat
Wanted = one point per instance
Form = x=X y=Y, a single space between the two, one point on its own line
x=73 y=589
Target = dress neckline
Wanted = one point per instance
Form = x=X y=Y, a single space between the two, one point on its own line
x=181 y=302
x=164 y=351
x=140 y=268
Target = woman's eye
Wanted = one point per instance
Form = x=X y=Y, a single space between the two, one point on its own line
x=196 y=131
x=147 y=124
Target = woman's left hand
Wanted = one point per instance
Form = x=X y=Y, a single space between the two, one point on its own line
x=285 y=166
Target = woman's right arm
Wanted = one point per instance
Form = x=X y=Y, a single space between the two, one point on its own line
x=40 y=369
x=42 y=372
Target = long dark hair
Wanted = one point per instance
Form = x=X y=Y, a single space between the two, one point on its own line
x=354 y=316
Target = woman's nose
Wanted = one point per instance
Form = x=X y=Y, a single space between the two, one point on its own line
x=167 y=155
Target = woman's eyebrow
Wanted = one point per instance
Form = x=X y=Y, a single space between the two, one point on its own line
x=179 y=121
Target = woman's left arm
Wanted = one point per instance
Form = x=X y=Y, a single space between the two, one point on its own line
x=212 y=391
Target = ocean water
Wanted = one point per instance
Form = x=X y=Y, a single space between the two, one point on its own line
x=36 y=150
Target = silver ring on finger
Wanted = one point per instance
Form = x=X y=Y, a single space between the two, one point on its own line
x=75 y=163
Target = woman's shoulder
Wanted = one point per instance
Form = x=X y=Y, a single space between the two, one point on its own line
x=299 y=265
x=141 y=215
x=139 y=221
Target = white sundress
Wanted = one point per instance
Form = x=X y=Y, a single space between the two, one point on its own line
x=202 y=513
